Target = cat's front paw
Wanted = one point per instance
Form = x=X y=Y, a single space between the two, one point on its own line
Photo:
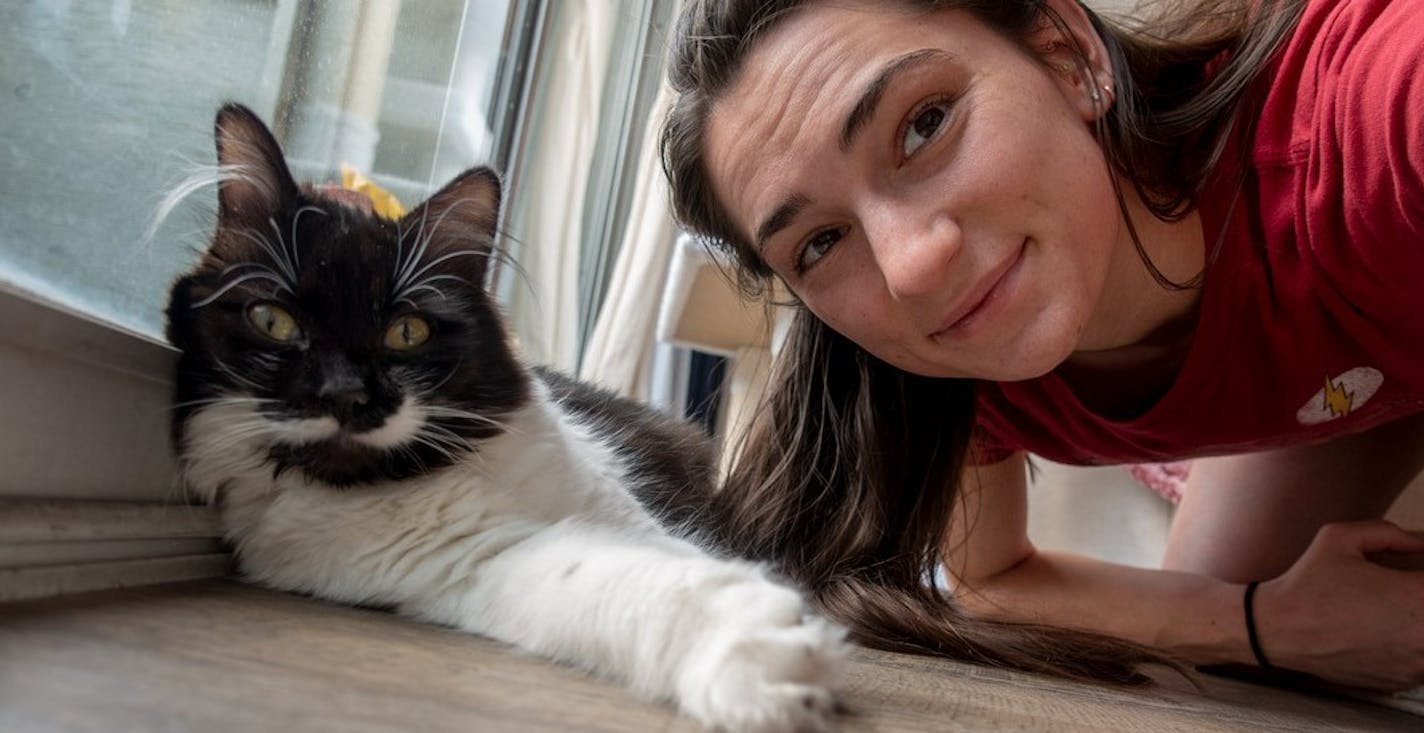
x=765 y=663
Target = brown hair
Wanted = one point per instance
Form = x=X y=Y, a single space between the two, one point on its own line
x=848 y=474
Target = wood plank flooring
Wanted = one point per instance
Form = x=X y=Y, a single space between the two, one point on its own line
x=222 y=656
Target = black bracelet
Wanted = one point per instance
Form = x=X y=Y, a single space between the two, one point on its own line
x=1251 y=626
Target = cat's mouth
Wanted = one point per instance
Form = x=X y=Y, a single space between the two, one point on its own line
x=338 y=462
x=349 y=453
x=370 y=431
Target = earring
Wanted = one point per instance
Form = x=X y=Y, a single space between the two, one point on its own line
x=1102 y=92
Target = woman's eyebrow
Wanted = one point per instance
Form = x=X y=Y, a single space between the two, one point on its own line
x=780 y=219
x=865 y=108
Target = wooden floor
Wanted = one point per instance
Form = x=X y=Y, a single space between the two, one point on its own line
x=221 y=656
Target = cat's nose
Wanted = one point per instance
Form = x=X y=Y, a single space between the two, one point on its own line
x=343 y=391
x=347 y=399
x=348 y=406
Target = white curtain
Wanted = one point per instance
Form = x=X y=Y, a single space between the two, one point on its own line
x=620 y=352
x=545 y=214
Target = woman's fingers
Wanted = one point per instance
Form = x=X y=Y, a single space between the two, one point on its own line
x=1372 y=536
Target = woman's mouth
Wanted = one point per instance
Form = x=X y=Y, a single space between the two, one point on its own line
x=989 y=292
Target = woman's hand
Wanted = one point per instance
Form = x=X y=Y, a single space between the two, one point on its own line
x=1341 y=615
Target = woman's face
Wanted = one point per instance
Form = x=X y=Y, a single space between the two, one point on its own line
x=923 y=184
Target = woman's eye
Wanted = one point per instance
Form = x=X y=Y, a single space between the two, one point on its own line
x=274 y=322
x=817 y=247
x=923 y=128
x=407 y=332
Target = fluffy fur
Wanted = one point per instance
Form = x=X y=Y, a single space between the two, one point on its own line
x=364 y=457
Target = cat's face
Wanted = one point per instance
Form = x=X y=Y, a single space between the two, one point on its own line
x=349 y=347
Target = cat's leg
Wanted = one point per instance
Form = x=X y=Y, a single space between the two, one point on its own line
x=732 y=648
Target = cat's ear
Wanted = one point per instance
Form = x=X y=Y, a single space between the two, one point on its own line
x=256 y=182
x=464 y=215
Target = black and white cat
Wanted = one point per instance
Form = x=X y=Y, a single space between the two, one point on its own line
x=348 y=396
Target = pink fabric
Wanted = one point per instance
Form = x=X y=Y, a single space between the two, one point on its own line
x=1167 y=479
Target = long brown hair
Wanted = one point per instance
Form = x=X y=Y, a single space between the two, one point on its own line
x=850 y=471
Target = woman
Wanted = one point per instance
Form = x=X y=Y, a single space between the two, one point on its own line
x=1011 y=226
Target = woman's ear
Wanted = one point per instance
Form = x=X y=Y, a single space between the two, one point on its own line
x=1076 y=58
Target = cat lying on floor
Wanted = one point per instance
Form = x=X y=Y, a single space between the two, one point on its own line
x=348 y=396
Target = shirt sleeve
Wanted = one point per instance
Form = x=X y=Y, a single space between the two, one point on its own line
x=1365 y=179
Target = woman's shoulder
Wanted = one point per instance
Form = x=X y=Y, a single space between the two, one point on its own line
x=1338 y=150
x=1349 y=74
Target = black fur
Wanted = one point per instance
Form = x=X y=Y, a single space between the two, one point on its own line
x=673 y=461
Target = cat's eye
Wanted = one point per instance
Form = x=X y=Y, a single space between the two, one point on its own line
x=407 y=332
x=274 y=322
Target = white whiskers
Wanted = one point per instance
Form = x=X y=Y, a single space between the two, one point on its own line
x=235 y=376
x=203 y=177
x=452 y=413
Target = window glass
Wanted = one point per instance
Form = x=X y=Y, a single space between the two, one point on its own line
x=106 y=106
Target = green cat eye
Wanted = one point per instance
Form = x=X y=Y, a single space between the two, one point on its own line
x=407 y=332
x=274 y=322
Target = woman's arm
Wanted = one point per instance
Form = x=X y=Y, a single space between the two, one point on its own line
x=1278 y=515
x=1000 y=575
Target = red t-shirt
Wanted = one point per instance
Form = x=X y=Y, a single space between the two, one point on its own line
x=1311 y=320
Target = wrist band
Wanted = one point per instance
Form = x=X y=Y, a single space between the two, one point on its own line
x=1251 y=626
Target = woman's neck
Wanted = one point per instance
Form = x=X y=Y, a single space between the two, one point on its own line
x=1136 y=310
x=1135 y=346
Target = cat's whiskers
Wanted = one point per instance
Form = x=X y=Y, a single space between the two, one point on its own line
x=229 y=400
x=404 y=295
x=404 y=266
x=296 y=219
x=262 y=243
x=452 y=413
x=409 y=283
x=233 y=375
x=265 y=360
x=282 y=249
x=439 y=444
x=446 y=435
x=407 y=450
x=406 y=271
x=263 y=273
x=202 y=177
x=423 y=238
x=406 y=262
x=453 y=371
x=238 y=433
x=502 y=256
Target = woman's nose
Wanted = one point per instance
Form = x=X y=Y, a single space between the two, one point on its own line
x=914 y=252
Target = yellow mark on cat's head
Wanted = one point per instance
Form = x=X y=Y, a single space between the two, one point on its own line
x=383 y=202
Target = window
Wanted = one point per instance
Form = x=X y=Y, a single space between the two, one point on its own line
x=108 y=105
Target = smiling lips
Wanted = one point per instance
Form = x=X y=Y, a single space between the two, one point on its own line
x=982 y=295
